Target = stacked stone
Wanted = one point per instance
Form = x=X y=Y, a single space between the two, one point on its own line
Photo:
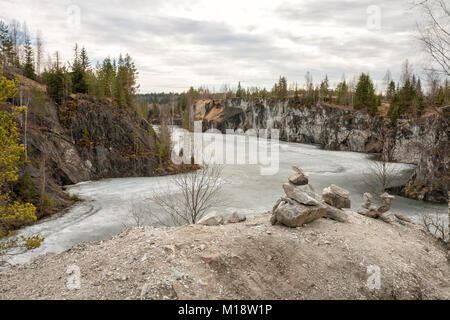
x=383 y=212
x=302 y=204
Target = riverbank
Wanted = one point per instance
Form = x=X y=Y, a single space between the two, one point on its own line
x=249 y=260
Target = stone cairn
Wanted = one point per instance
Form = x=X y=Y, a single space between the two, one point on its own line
x=302 y=205
x=383 y=212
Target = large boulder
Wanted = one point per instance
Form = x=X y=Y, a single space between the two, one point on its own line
x=292 y=214
x=299 y=178
x=300 y=194
x=337 y=197
x=213 y=219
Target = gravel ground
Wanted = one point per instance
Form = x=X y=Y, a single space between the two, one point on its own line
x=249 y=260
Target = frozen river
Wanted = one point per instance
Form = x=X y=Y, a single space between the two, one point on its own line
x=107 y=203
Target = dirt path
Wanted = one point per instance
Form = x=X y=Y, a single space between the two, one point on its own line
x=249 y=260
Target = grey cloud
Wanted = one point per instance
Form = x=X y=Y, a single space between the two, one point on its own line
x=176 y=51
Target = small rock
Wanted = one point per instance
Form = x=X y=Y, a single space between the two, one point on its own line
x=273 y=219
x=236 y=218
x=299 y=178
x=178 y=275
x=401 y=217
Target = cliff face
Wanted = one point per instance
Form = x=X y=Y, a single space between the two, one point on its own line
x=424 y=142
x=431 y=180
x=87 y=139
x=110 y=142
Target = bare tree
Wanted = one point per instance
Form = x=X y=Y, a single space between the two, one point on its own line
x=435 y=225
x=139 y=215
x=381 y=173
x=39 y=52
x=164 y=136
x=15 y=31
x=434 y=31
x=387 y=81
x=196 y=193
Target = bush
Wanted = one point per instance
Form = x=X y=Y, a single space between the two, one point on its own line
x=75 y=198
x=24 y=189
x=46 y=203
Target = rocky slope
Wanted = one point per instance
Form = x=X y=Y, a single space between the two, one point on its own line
x=86 y=139
x=423 y=142
x=250 y=260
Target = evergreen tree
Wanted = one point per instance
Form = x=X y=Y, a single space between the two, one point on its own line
x=324 y=89
x=439 y=101
x=28 y=66
x=239 y=91
x=58 y=82
x=391 y=90
x=79 y=84
x=106 y=76
x=282 y=88
x=409 y=99
x=84 y=60
x=342 y=93
x=6 y=45
x=365 y=97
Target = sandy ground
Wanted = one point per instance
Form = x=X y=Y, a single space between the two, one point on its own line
x=249 y=260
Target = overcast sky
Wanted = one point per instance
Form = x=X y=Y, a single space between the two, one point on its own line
x=178 y=43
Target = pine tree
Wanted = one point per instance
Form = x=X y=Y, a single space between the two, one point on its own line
x=6 y=46
x=365 y=97
x=78 y=74
x=84 y=60
x=239 y=91
x=439 y=101
x=28 y=67
x=58 y=81
x=391 y=90
x=342 y=93
x=282 y=88
x=324 y=89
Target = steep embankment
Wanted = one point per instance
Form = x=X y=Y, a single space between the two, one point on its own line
x=85 y=139
x=250 y=260
x=424 y=142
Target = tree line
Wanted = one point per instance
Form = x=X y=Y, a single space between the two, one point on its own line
x=113 y=78
x=406 y=97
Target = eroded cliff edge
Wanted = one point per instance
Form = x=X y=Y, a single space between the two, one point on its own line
x=423 y=142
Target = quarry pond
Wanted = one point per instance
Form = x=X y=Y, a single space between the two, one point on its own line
x=106 y=207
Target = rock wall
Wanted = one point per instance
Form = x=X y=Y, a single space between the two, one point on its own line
x=86 y=139
x=423 y=142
